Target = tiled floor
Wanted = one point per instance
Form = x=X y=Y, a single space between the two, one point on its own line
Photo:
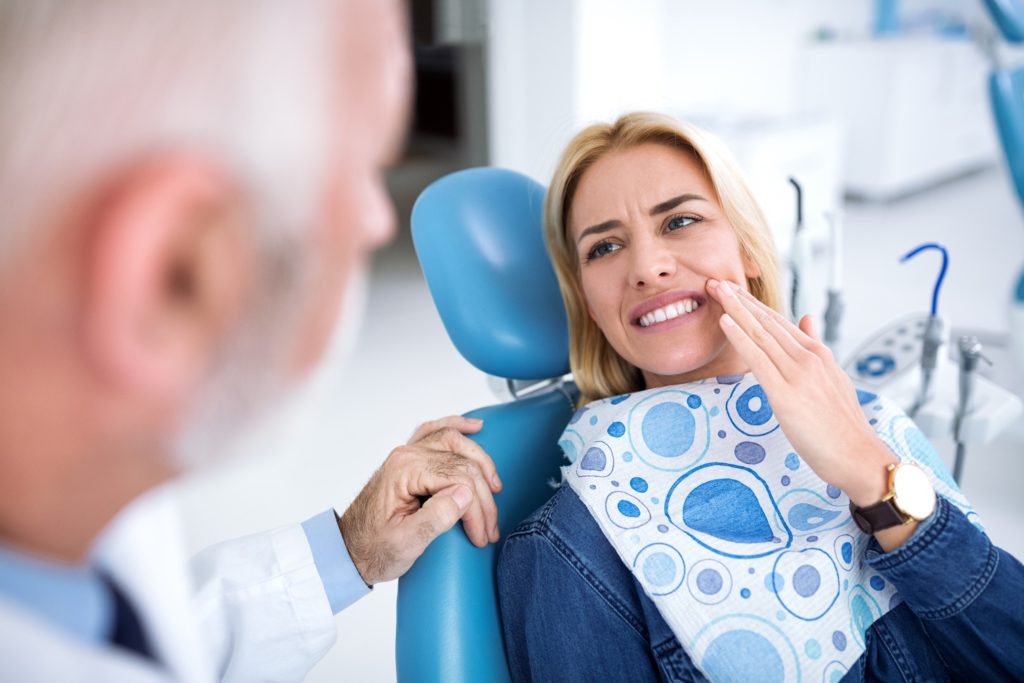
x=404 y=370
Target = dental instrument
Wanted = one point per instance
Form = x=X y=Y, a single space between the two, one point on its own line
x=934 y=336
x=970 y=354
x=800 y=257
x=834 y=306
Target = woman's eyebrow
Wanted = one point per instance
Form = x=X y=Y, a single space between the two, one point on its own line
x=664 y=206
x=600 y=227
x=670 y=204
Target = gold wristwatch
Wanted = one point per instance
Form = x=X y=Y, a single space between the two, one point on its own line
x=911 y=497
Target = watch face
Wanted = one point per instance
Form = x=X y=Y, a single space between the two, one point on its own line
x=915 y=496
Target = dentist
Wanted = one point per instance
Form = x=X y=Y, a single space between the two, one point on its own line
x=190 y=189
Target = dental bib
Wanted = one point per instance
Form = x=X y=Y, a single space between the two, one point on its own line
x=753 y=561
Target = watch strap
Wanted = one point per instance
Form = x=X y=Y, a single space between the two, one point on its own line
x=876 y=517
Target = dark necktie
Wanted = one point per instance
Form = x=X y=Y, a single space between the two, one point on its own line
x=127 y=629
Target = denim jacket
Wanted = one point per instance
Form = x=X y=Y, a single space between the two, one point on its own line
x=572 y=611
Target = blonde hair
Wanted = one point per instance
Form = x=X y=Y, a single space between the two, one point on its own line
x=598 y=369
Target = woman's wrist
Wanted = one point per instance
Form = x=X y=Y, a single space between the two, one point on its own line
x=866 y=482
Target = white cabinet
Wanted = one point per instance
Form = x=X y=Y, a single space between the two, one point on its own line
x=915 y=111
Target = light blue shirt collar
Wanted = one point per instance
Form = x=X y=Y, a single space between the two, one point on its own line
x=70 y=597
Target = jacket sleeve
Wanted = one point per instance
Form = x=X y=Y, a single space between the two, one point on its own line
x=559 y=625
x=968 y=594
x=263 y=606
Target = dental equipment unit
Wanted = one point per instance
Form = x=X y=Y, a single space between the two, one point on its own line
x=800 y=258
x=933 y=336
x=943 y=400
x=834 y=307
x=970 y=354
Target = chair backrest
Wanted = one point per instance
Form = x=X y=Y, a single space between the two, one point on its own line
x=1008 y=16
x=478 y=237
x=1006 y=89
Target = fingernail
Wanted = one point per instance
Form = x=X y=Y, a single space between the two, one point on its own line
x=726 y=288
x=495 y=481
x=477 y=420
x=462 y=497
x=495 y=534
x=712 y=283
x=727 y=320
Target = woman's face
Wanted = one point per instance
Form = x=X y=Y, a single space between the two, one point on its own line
x=649 y=232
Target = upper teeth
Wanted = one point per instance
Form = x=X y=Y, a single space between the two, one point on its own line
x=660 y=315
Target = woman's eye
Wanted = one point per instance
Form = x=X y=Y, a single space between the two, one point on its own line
x=601 y=249
x=677 y=222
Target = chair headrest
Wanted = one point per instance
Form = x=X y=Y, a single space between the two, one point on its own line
x=477 y=235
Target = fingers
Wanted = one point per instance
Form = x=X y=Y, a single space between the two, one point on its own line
x=756 y=325
x=465 y=425
x=760 y=364
x=436 y=516
x=451 y=440
x=432 y=471
x=801 y=342
x=809 y=340
x=807 y=327
x=483 y=527
x=439 y=456
x=789 y=337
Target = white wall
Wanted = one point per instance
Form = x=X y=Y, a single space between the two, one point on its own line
x=556 y=65
x=531 y=73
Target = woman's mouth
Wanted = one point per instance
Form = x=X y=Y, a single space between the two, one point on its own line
x=668 y=312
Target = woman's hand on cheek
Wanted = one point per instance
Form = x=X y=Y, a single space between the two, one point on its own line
x=814 y=401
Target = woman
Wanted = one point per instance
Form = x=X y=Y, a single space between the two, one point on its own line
x=702 y=530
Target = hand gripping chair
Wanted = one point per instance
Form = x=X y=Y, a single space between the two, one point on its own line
x=478 y=238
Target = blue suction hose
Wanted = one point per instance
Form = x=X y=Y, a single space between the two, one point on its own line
x=933 y=332
x=942 y=271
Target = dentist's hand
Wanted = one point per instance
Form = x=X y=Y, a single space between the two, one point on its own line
x=814 y=401
x=387 y=527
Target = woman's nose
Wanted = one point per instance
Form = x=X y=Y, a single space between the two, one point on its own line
x=649 y=264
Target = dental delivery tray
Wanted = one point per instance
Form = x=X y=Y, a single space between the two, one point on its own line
x=890 y=363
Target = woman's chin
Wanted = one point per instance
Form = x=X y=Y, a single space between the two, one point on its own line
x=676 y=372
x=671 y=366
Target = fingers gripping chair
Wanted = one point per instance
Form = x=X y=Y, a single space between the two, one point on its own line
x=477 y=235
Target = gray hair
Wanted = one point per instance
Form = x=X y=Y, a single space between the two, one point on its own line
x=87 y=85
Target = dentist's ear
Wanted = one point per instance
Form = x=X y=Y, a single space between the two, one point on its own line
x=167 y=270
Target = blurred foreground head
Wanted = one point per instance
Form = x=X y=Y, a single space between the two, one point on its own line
x=189 y=191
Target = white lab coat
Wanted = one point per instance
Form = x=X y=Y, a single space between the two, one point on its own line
x=253 y=609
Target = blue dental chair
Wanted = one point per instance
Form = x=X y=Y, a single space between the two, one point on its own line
x=477 y=235
x=1006 y=91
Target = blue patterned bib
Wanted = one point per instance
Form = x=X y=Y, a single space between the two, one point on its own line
x=753 y=561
